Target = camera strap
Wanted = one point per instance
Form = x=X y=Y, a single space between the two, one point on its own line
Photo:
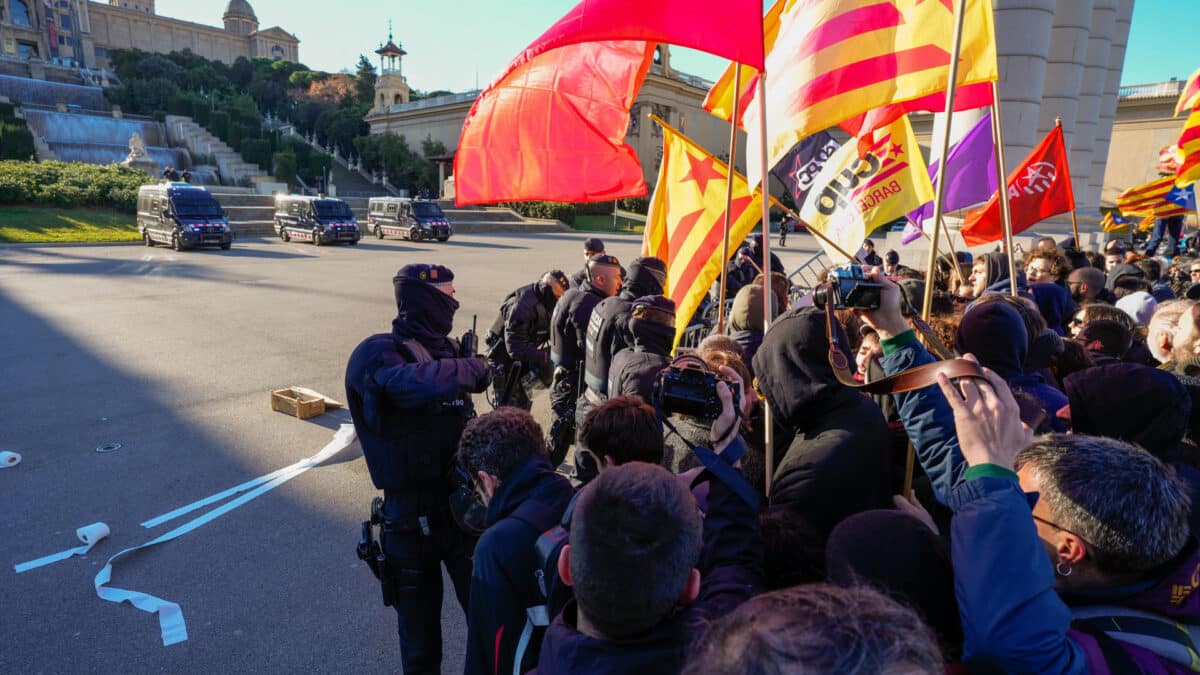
x=908 y=380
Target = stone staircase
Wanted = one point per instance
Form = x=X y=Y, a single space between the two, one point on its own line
x=468 y=219
x=234 y=170
x=352 y=183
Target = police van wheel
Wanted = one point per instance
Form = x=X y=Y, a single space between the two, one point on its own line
x=226 y=247
x=414 y=235
x=378 y=232
x=283 y=234
x=443 y=238
x=146 y=238
x=316 y=237
x=176 y=242
x=353 y=242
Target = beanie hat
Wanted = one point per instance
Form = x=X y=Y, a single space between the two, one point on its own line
x=1139 y=305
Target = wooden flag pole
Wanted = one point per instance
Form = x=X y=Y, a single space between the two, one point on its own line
x=1002 y=188
x=733 y=125
x=939 y=190
x=768 y=422
x=817 y=233
x=1074 y=220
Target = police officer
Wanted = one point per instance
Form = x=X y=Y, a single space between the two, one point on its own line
x=747 y=264
x=409 y=393
x=592 y=246
x=608 y=331
x=518 y=340
x=635 y=368
x=568 y=332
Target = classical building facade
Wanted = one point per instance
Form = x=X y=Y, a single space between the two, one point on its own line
x=79 y=34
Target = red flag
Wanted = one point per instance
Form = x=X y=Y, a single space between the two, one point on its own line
x=1037 y=189
x=966 y=97
x=1189 y=96
x=729 y=28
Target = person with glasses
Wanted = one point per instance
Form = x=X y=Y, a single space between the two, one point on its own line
x=1086 y=284
x=1045 y=266
x=1103 y=581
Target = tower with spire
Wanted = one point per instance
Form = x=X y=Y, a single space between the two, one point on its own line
x=390 y=87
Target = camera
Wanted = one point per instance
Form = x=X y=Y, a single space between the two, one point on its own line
x=848 y=288
x=688 y=387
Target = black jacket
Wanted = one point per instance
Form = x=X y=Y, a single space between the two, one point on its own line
x=568 y=325
x=837 y=462
x=731 y=572
x=524 y=329
x=409 y=415
x=608 y=329
x=503 y=581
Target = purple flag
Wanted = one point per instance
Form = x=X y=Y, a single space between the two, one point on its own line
x=972 y=177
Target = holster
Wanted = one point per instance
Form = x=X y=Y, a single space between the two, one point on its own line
x=393 y=579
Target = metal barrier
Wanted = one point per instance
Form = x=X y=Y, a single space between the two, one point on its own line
x=806 y=277
x=692 y=336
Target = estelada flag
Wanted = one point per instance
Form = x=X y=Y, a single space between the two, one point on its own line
x=553 y=124
x=1151 y=200
x=854 y=195
x=1189 y=148
x=835 y=59
x=1189 y=98
x=1114 y=223
x=1037 y=189
x=685 y=221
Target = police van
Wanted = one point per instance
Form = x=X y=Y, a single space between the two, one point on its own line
x=321 y=220
x=414 y=219
x=182 y=216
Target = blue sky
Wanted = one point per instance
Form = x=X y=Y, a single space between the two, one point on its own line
x=452 y=44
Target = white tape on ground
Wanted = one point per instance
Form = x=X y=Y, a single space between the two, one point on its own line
x=9 y=458
x=90 y=535
x=170 y=616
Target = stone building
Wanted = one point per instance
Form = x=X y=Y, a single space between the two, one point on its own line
x=36 y=34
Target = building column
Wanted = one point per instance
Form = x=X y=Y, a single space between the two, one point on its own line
x=1108 y=105
x=1022 y=46
x=1064 y=72
x=1087 y=117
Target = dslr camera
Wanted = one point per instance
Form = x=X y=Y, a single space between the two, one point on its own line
x=688 y=387
x=848 y=288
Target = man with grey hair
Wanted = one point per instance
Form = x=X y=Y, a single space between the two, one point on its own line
x=1185 y=343
x=1160 y=337
x=1103 y=581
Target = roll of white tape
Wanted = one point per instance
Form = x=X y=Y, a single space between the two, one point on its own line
x=92 y=534
x=9 y=458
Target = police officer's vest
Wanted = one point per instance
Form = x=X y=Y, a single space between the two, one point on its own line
x=602 y=326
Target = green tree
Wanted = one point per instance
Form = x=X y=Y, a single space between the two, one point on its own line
x=241 y=72
x=365 y=78
x=285 y=168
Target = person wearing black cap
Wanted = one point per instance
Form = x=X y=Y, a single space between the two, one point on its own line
x=592 y=246
x=409 y=394
x=635 y=368
x=747 y=264
x=518 y=341
x=568 y=333
x=608 y=330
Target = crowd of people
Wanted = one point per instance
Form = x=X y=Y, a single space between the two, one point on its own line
x=1049 y=527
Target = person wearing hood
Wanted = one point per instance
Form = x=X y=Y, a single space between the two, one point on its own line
x=747 y=264
x=505 y=454
x=635 y=369
x=989 y=274
x=1055 y=304
x=521 y=335
x=568 y=334
x=746 y=320
x=1119 y=271
x=608 y=331
x=409 y=394
x=836 y=461
x=996 y=334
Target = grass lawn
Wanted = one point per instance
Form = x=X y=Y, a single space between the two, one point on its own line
x=32 y=224
x=605 y=224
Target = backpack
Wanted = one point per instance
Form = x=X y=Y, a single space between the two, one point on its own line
x=554 y=593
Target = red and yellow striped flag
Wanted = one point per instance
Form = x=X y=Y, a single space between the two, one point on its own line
x=685 y=223
x=835 y=59
x=719 y=101
x=1189 y=148
x=1150 y=200
x=1189 y=98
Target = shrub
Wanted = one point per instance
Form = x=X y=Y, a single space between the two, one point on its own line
x=201 y=112
x=285 y=168
x=70 y=184
x=257 y=151
x=635 y=204
x=549 y=210
x=218 y=124
x=16 y=141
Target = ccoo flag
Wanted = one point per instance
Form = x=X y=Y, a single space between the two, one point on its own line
x=685 y=221
x=799 y=169
x=1037 y=189
x=1189 y=149
x=852 y=196
x=1151 y=200
x=835 y=59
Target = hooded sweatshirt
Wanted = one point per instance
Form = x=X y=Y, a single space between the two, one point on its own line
x=1055 y=304
x=997 y=273
x=635 y=369
x=746 y=320
x=995 y=333
x=608 y=326
x=837 y=462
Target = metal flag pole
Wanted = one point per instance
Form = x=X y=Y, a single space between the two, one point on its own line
x=1074 y=220
x=1002 y=187
x=733 y=125
x=940 y=188
x=768 y=431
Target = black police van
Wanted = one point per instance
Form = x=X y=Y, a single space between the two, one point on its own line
x=414 y=219
x=321 y=220
x=182 y=216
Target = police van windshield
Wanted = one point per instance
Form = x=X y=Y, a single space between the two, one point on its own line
x=427 y=210
x=332 y=209
x=201 y=205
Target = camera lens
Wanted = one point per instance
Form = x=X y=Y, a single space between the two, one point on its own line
x=819 y=295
